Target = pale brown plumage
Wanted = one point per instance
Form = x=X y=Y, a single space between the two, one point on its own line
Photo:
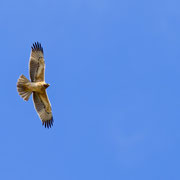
x=37 y=86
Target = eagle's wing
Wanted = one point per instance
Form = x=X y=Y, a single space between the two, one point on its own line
x=43 y=108
x=36 y=63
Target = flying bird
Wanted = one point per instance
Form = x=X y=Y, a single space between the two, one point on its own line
x=37 y=86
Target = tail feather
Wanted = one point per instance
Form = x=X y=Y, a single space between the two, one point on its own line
x=21 y=88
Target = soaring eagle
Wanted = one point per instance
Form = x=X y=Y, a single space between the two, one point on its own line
x=37 y=85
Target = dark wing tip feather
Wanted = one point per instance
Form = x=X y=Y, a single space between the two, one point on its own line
x=37 y=47
x=48 y=123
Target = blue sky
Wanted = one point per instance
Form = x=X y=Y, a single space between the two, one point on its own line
x=114 y=72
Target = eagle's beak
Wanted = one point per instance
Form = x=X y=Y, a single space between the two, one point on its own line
x=46 y=85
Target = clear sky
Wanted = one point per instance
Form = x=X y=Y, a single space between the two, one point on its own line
x=114 y=71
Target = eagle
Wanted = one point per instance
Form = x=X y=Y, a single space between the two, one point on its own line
x=37 y=86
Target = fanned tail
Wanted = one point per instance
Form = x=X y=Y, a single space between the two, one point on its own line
x=21 y=88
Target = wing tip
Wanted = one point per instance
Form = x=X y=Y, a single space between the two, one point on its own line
x=37 y=47
x=49 y=123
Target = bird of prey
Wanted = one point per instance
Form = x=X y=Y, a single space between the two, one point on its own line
x=37 y=86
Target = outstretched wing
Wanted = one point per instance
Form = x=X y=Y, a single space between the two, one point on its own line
x=43 y=108
x=36 y=63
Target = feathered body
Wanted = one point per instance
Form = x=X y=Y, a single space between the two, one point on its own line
x=37 y=85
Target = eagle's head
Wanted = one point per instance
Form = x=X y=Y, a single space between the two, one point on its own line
x=46 y=85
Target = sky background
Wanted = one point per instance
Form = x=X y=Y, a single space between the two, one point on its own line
x=114 y=70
